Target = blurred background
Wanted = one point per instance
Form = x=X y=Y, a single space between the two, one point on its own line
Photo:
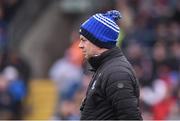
x=42 y=72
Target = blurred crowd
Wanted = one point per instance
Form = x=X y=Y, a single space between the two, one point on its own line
x=149 y=38
x=14 y=71
x=71 y=82
x=152 y=44
x=7 y=12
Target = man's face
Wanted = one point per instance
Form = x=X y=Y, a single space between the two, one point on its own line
x=89 y=49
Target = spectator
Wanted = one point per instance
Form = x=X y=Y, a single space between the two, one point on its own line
x=67 y=74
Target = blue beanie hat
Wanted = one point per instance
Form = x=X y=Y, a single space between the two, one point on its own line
x=101 y=29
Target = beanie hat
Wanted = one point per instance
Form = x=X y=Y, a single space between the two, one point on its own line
x=101 y=29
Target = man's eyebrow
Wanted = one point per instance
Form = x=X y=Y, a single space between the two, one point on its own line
x=84 y=39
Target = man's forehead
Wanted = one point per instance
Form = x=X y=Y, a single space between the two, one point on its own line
x=82 y=37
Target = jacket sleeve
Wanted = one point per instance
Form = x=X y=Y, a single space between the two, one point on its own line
x=120 y=92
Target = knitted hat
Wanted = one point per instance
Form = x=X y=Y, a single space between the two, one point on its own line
x=101 y=29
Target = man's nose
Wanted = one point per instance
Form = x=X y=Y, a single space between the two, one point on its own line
x=80 y=45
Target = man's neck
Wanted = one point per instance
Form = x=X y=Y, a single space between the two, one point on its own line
x=100 y=51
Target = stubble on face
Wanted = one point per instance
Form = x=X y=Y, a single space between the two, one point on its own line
x=89 y=49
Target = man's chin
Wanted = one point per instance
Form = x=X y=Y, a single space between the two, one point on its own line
x=86 y=57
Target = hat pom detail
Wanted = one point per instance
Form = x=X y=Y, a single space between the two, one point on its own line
x=114 y=14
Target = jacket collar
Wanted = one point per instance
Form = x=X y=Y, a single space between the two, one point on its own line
x=97 y=61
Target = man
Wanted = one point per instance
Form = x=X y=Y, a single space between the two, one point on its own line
x=113 y=92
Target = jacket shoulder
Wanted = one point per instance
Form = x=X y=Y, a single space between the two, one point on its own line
x=120 y=64
x=117 y=69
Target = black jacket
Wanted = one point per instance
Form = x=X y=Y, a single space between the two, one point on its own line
x=113 y=92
